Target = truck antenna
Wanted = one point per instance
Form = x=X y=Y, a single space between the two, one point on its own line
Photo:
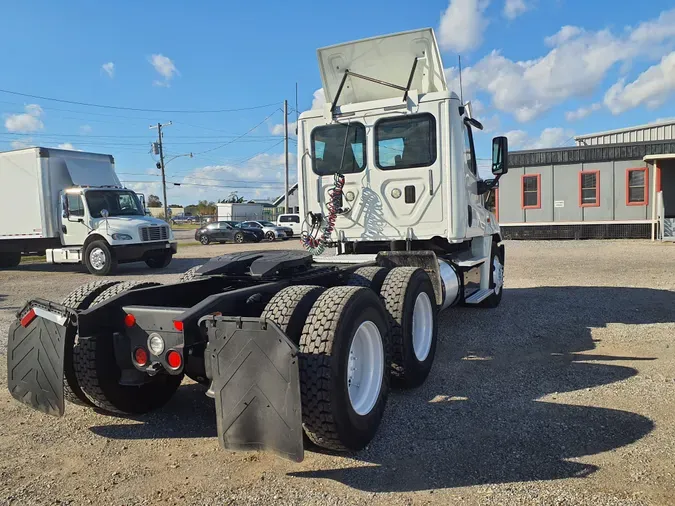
x=461 y=92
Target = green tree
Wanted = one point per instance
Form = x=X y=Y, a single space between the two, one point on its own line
x=153 y=201
x=233 y=198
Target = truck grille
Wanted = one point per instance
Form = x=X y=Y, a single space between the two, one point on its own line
x=154 y=233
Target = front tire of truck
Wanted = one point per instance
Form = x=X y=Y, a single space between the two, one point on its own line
x=159 y=261
x=99 y=258
x=12 y=259
x=409 y=298
x=496 y=277
x=344 y=368
x=98 y=374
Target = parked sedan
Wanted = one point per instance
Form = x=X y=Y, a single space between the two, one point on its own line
x=270 y=230
x=221 y=231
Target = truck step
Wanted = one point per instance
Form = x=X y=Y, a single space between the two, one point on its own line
x=479 y=296
x=467 y=260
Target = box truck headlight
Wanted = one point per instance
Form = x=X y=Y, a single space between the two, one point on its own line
x=122 y=237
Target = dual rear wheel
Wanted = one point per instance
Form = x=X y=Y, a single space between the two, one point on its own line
x=353 y=342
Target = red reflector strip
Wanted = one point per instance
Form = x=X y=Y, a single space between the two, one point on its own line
x=28 y=318
x=130 y=320
x=174 y=359
x=178 y=325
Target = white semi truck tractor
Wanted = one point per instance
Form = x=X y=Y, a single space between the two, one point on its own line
x=304 y=342
x=71 y=206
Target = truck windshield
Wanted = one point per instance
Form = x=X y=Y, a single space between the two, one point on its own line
x=118 y=203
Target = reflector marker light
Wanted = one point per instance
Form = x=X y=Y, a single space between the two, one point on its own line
x=178 y=325
x=174 y=359
x=130 y=320
x=141 y=356
x=28 y=318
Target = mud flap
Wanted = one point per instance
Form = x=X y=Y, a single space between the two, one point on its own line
x=254 y=371
x=35 y=356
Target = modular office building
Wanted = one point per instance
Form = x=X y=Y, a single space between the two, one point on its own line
x=618 y=184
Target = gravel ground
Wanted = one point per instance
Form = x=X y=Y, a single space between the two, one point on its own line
x=563 y=395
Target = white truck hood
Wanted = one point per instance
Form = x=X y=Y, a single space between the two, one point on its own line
x=388 y=58
x=127 y=223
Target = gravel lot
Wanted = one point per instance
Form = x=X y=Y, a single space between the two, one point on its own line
x=565 y=394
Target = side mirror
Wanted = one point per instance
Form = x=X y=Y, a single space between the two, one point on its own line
x=104 y=213
x=500 y=156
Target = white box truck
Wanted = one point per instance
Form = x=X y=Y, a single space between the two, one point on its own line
x=72 y=206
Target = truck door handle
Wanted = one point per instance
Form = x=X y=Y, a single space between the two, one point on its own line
x=431 y=182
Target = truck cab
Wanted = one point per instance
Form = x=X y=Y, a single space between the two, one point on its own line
x=102 y=226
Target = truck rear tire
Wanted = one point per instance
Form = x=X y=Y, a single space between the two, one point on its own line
x=290 y=307
x=99 y=258
x=190 y=274
x=98 y=374
x=159 y=261
x=79 y=299
x=11 y=259
x=409 y=298
x=344 y=368
x=370 y=277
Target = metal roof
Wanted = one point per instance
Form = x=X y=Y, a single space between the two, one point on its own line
x=660 y=131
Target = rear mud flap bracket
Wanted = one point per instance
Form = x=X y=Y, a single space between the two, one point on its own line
x=35 y=357
x=256 y=383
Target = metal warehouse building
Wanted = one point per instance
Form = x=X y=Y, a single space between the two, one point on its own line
x=617 y=184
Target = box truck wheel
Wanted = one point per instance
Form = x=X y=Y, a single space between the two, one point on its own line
x=496 y=276
x=11 y=259
x=290 y=307
x=344 y=368
x=99 y=258
x=98 y=374
x=410 y=301
x=159 y=261
x=80 y=299
x=371 y=277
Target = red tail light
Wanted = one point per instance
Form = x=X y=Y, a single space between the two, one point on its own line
x=141 y=356
x=178 y=325
x=130 y=320
x=28 y=318
x=174 y=359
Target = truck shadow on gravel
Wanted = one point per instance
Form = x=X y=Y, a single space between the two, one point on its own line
x=479 y=419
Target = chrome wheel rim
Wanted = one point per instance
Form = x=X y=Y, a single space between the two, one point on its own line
x=497 y=275
x=270 y=236
x=365 y=368
x=204 y=240
x=422 y=326
x=97 y=258
x=238 y=238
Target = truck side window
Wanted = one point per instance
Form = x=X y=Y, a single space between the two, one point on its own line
x=469 y=151
x=327 y=146
x=405 y=142
x=75 y=205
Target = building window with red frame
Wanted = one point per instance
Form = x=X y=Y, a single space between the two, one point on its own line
x=531 y=191
x=636 y=187
x=589 y=188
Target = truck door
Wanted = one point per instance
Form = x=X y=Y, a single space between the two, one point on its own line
x=476 y=212
x=73 y=229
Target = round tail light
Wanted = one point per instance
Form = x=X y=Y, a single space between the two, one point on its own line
x=174 y=359
x=141 y=356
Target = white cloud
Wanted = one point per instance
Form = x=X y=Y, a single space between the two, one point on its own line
x=109 y=69
x=23 y=143
x=576 y=65
x=164 y=67
x=651 y=88
x=85 y=129
x=462 y=25
x=319 y=99
x=26 y=122
x=549 y=138
x=582 y=112
x=278 y=129
x=67 y=145
x=514 y=8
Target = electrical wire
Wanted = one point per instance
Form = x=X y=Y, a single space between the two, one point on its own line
x=137 y=109
x=237 y=138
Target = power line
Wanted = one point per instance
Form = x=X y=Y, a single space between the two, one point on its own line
x=123 y=108
x=240 y=185
x=219 y=137
x=237 y=138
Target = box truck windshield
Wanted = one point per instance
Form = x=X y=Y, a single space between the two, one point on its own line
x=118 y=203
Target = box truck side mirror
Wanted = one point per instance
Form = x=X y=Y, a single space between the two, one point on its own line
x=500 y=156
x=64 y=206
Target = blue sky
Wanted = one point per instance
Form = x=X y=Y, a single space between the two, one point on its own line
x=539 y=71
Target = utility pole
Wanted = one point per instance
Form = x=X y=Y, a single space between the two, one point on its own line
x=161 y=165
x=286 y=151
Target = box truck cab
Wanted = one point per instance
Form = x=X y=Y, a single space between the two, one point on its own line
x=72 y=206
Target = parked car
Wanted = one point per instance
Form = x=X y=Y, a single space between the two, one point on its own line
x=270 y=230
x=181 y=219
x=291 y=221
x=221 y=231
